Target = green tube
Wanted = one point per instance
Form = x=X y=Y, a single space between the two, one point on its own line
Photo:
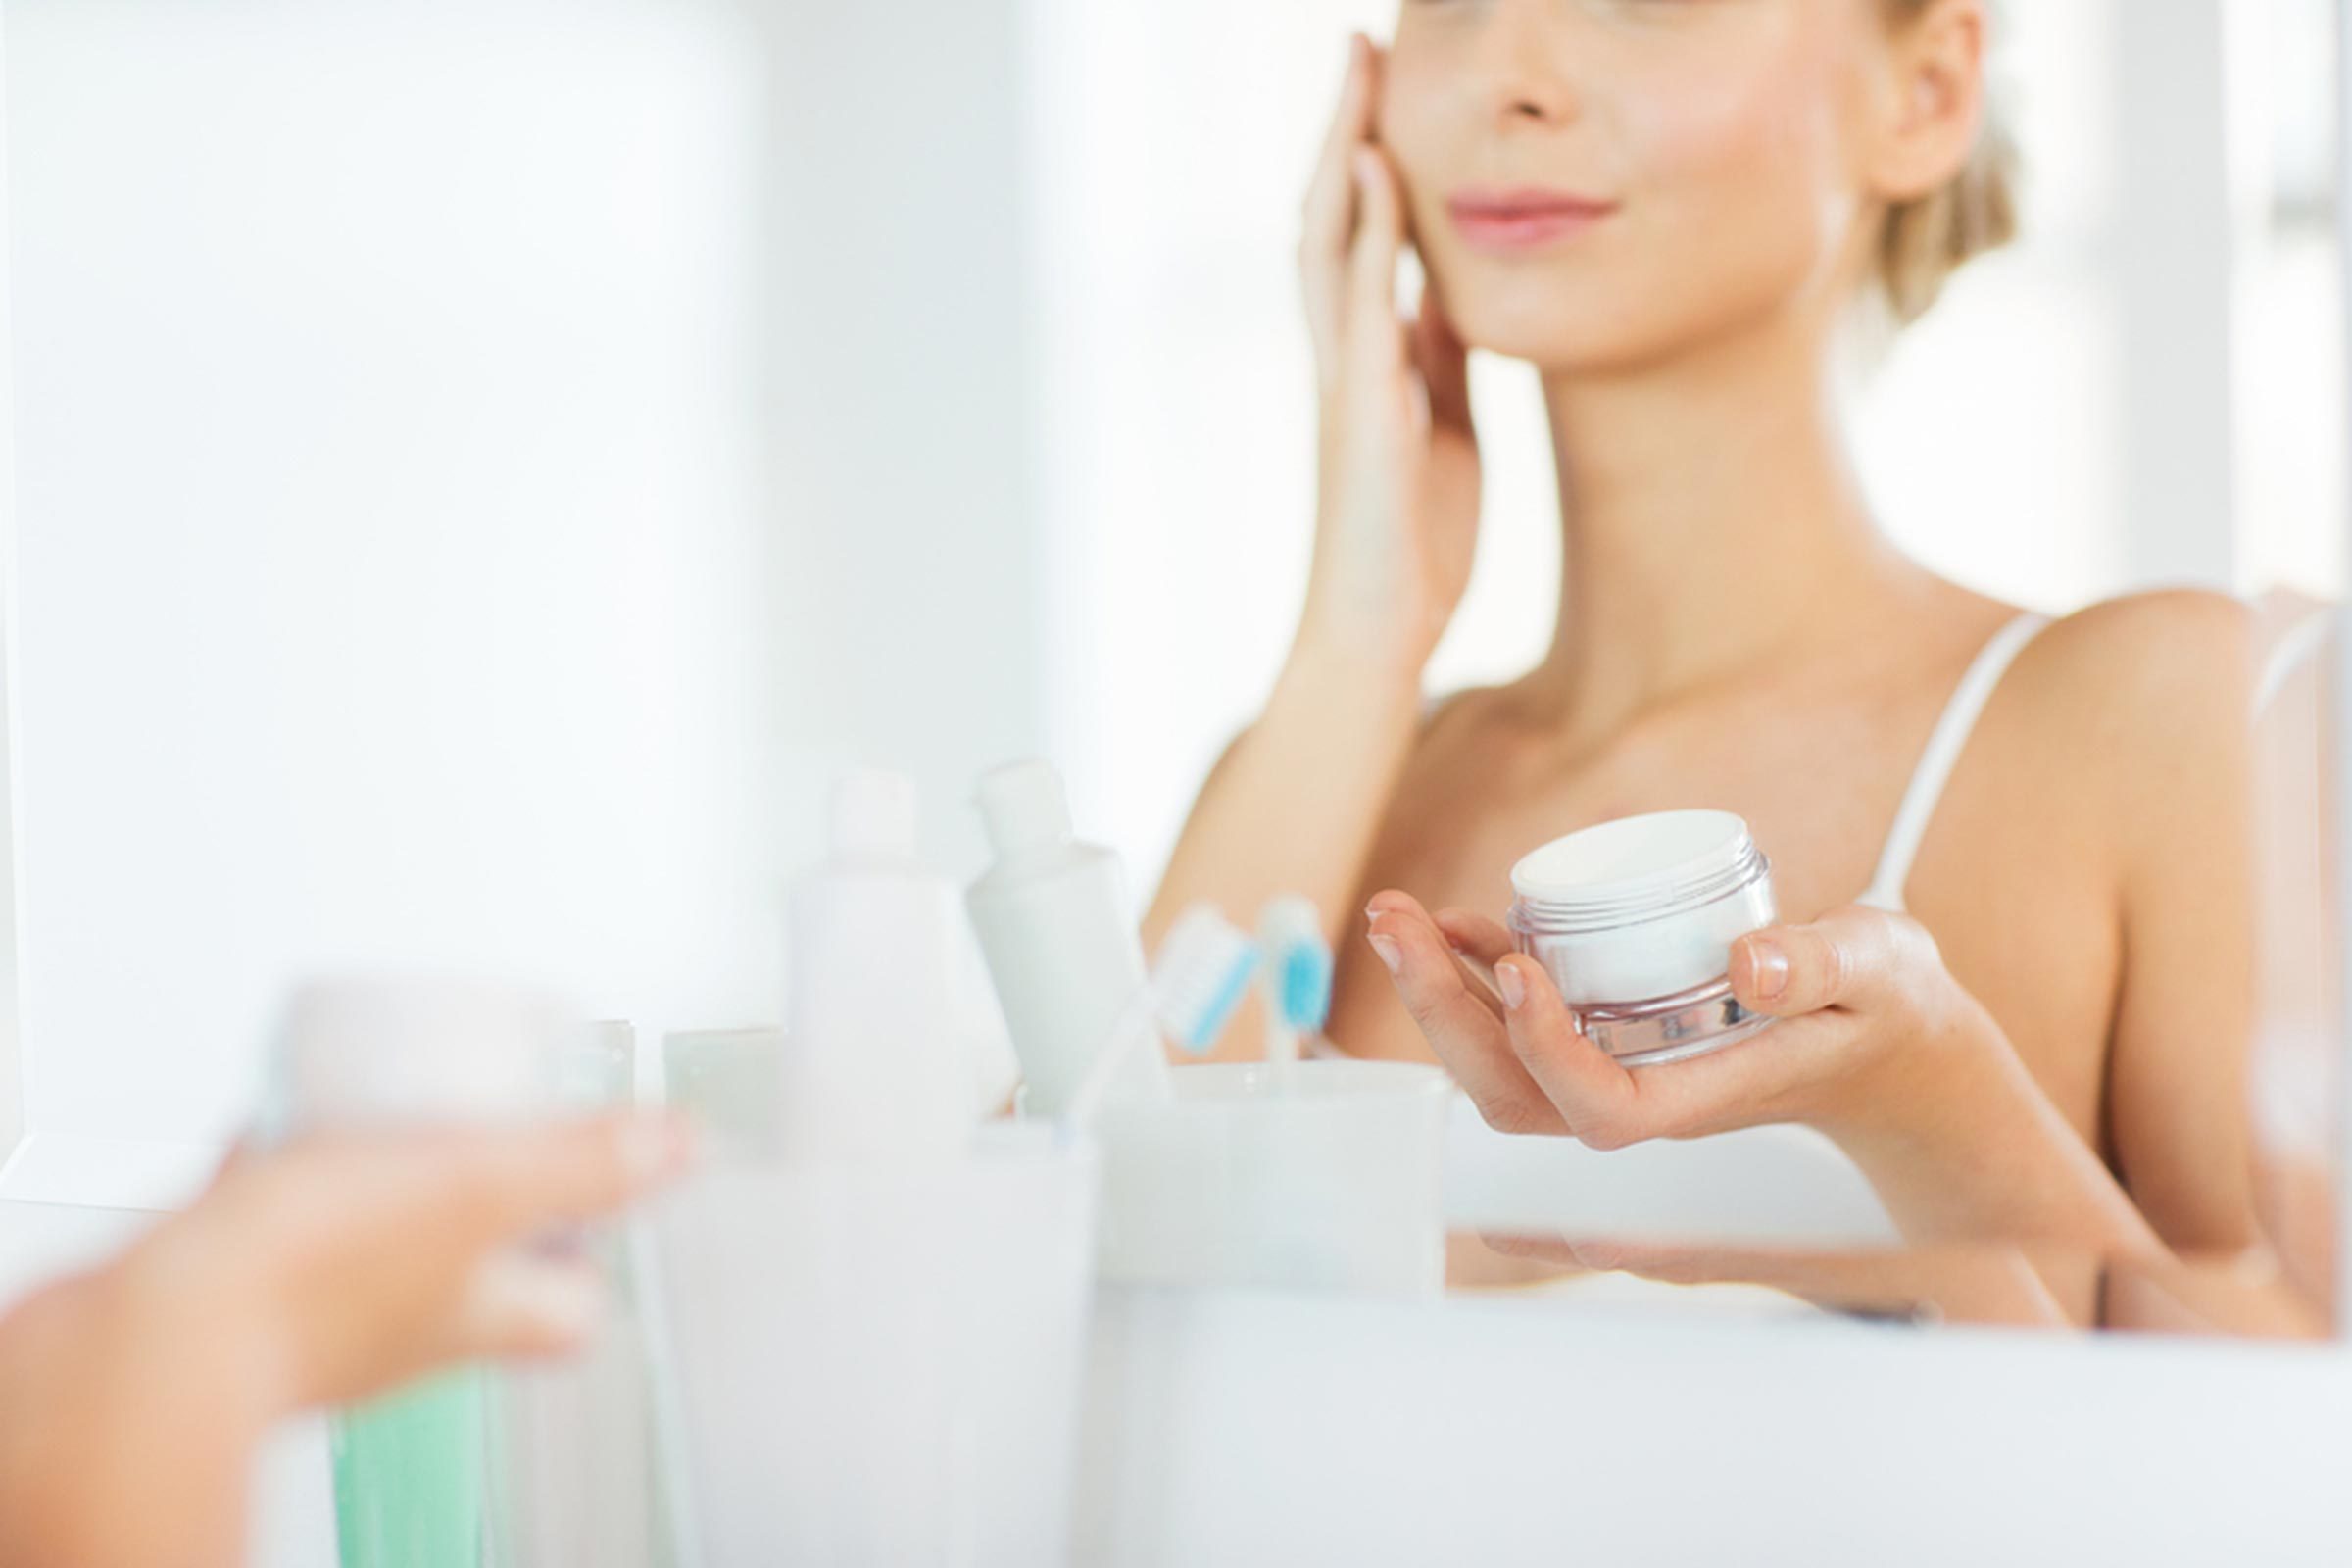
x=409 y=1473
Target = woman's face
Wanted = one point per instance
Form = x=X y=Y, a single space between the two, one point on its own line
x=1597 y=184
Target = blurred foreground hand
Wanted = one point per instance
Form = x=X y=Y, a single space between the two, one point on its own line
x=331 y=1268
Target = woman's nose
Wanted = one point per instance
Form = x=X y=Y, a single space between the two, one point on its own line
x=1526 y=62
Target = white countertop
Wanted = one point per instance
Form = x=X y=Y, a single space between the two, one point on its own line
x=1231 y=1428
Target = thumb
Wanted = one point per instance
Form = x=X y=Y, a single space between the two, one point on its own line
x=1858 y=958
x=520 y=1305
x=564 y=1173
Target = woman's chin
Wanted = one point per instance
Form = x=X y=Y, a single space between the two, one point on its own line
x=1555 y=328
x=1565 y=348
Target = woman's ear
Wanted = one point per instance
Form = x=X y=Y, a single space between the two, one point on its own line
x=1933 y=102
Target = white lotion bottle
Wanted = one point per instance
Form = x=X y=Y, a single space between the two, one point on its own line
x=873 y=1064
x=1061 y=941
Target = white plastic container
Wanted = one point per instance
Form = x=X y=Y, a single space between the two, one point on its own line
x=880 y=1364
x=366 y=1050
x=1061 y=938
x=874 y=1065
x=1634 y=919
x=1326 y=1176
x=577 y=1484
x=724 y=1080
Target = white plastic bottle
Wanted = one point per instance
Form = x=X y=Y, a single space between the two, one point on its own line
x=1061 y=941
x=873 y=1064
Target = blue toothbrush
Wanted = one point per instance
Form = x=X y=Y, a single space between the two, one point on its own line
x=1297 y=977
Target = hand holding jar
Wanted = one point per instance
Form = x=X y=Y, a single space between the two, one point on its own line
x=1873 y=1042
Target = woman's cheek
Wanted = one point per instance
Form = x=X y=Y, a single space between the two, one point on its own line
x=1747 y=164
x=1706 y=135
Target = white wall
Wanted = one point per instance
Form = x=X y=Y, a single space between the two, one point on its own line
x=906 y=549
x=484 y=468
x=387 y=521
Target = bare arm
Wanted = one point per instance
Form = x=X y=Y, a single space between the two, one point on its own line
x=1297 y=802
x=2172 y=679
x=1293 y=806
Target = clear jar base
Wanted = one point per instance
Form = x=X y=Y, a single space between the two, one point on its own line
x=1668 y=1029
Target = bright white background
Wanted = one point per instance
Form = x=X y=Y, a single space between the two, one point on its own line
x=388 y=558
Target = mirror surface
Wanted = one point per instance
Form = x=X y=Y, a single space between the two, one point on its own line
x=480 y=472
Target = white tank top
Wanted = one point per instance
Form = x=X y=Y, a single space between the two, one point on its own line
x=1936 y=763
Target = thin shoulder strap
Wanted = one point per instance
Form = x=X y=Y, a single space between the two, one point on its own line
x=2299 y=646
x=1942 y=755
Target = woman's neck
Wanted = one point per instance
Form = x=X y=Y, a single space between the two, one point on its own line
x=1711 y=521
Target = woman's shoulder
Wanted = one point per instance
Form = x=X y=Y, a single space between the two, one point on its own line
x=2177 y=630
x=2152 y=693
x=2161 y=659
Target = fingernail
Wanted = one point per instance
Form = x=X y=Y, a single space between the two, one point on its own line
x=1390 y=953
x=1512 y=984
x=1772 y=968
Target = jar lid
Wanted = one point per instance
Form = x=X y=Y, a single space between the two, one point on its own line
x=1636 y=868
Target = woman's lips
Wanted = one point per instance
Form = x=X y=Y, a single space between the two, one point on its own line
x=1512 y=220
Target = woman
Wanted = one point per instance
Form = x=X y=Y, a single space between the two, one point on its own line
x=1676 y=210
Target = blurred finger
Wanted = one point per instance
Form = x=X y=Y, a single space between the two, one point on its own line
x=1329 y=213
x=1373 y=331
x=1329 y=193
x=1466 y=1033
x=575 y=1172
x=518 y=1304
x=1667 y=1262
x=1531 y=1247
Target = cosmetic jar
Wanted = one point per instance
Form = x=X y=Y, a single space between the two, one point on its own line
x=1634 y=920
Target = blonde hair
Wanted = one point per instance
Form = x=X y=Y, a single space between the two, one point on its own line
x=1927 y=240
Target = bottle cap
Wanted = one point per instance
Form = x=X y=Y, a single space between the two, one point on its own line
x=1024 y=806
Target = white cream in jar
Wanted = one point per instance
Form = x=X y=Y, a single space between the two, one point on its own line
x=1635 y=922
